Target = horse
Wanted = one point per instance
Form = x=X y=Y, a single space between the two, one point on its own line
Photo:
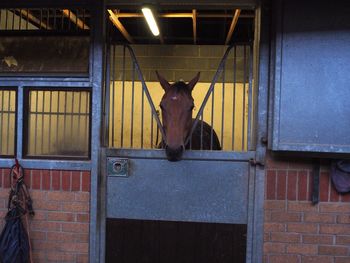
x=177 y=106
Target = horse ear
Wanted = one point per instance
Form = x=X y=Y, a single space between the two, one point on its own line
x=193 y=82
x=165 y=84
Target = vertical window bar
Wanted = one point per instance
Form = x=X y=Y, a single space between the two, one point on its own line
x=86 y=117
x=122 y=95
x=54 y=18
x=2 y=109
x=69 y=20
x=142 y=115
x=234 y=96
x=42 y=122
x=48 y=18
x=41 y=19
x=58 y=116
x=223 y=106
x=20 y=19
x=76 y=19
x=27 y=20
x=6 y=19
x=212 y=119
x=62 y=20
x=36 y=121
x=250 y=97
x=65 y=115
x=8 y=122
x=84 y=19
x=50 y=119
x=201 y=147
x=132 y=106
x=79 y=112
x=113 y=90
x=13 y=19
x=71 y=118
x=244 y=96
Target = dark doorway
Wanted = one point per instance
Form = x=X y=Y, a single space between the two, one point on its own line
x=141 y=241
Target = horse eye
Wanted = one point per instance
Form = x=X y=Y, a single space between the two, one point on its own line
x=192 y=107
x=161 y=107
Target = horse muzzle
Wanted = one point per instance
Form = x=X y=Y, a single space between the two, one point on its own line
x=174 y=154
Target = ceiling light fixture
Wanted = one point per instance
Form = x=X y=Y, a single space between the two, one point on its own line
x=148 y=14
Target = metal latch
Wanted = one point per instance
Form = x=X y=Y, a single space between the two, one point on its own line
x=117 y=167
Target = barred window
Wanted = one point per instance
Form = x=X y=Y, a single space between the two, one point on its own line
x=7 y=122
x=57 y=123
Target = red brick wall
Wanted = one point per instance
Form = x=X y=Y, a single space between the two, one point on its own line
x=295 y=231
x=59 y=230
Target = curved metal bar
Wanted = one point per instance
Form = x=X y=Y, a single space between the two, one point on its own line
x=210 y=90
x=144 y=87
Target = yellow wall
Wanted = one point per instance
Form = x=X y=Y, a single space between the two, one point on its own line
x=115 y=119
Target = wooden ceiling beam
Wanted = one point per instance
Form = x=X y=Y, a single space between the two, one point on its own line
x=194 y=23
x=114 y=18
x=184 y=15
x=80 y=23
x=233 y=25
x=28 y=15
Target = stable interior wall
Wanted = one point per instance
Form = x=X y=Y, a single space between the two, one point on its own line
x=130 y=128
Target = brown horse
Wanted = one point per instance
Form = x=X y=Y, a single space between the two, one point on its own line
x=177 y=105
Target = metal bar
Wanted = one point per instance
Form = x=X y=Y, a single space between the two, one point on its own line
x=142 y=116
x=54 y=18
x=132 y=105
x=19 y=123
x=119 y=26
x=223 y=108
x=113 y=90
x=50 y=120
x=65 y=118
x=232 y=26
x=79 y=112
x=1 y=118
x=74 y=18
x=36 y=122
x=71 y=118
x=212 y=84
x=57 y=119
x=194 y=24
x=42 y=122
x=144 y=87
x=20 y=20
x=212 y=118
x=48 y=17
x=234 y=95
x=251 y=109
x=107 y=99
x=69 y=165
x=122 y=95
x=87 y=120
x=188 y=155
x=244 y=88
x=13 y=19
x=41 y=19
x=202 y=124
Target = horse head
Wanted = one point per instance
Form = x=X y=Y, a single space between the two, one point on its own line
x=176 y=106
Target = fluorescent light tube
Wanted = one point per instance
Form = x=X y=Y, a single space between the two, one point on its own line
x=147 y=12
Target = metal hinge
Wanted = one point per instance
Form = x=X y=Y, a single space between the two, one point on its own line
x=254 y=162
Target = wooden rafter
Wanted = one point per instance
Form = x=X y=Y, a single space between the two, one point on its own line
x=194 y=23
x=28 y=15
x=184 y=15
x=80 y=23
x=114 y=18
x=233 y=25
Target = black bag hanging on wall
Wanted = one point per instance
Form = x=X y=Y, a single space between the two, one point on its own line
x=340 y=175
x=14 y=240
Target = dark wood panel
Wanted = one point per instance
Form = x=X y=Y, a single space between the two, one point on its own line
x=129 y=241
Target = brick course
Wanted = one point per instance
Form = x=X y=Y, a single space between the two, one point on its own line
x=59 y=231
x=294 y=229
